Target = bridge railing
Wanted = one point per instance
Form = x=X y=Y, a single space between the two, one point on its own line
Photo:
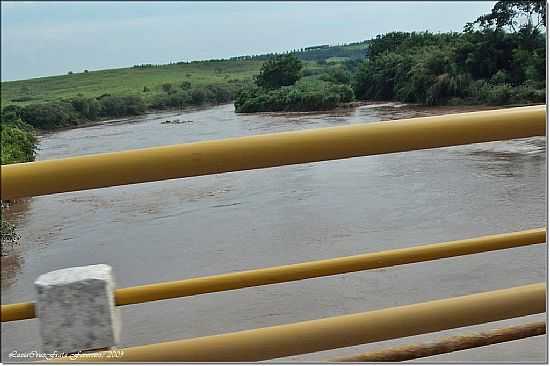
x=302 y=271
x=272 y=150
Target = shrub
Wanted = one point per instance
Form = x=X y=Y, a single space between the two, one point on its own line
x=120 y=106
x=499 y=94
x=528 y=92
x=219 y=94
x=18 y=143
x=198 y=96
x=337 y=75
x=311 y=72
x=88 y=108
x=166 y=87
x=312 y=96
x=50 y=115
x=179 y=99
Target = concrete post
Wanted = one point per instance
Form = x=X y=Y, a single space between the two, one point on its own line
x=76 y=309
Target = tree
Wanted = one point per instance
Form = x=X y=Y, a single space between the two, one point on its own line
x=279 y=71
x=526 y=14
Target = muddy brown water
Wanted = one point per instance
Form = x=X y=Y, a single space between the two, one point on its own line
x=207 y=225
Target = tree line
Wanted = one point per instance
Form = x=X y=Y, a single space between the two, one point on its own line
x=498 y=59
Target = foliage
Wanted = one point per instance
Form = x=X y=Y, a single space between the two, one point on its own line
x=279 y=71
x=401 y=41
x=337 y=74
x=18 y=146
x=50 y=115
x=18 y=141
x=304 y=96
x=188 y=96
x=498 y=59
x=483 y=66
x=121 y=106
x=75 y=110
x=511 y=14
x=166 y=87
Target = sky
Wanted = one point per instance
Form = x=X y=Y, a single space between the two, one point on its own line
x=52 y=38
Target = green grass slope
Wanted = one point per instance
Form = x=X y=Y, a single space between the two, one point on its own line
x=126 y=81
x=133 y=80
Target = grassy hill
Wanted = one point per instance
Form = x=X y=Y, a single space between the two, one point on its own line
x=133 y=80
x=126 y=81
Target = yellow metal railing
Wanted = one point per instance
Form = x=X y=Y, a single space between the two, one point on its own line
x=342 y=331
x=265 y=151
x=301 y=271
x=272 y=150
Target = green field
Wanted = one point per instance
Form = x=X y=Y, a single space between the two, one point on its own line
x=126 y=81
x=132 y=80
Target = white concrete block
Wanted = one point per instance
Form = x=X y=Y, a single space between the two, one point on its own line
x=76 y=309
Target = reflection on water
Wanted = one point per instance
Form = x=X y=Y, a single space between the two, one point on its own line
x=14 y=213
x=199 y=226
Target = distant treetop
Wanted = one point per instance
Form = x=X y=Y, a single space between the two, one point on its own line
x=279 y=71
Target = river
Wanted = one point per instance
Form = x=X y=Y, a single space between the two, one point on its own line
x=207 y=225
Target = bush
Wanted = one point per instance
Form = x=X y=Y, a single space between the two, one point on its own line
x=180 y=99
x=88 y=108
x=50 y=115
x=337 y=75
x=198 y=96
x=18 y=141
x=219 y=94
x=500 y=77
x=528 y=92
x=166 y=87
x=499 y=94
x=311 y=72
x=120 y=106
x=312 y=96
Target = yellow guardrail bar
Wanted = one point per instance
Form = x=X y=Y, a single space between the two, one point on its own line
x=340 y=331
x=300 y=271
x=269 y=150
